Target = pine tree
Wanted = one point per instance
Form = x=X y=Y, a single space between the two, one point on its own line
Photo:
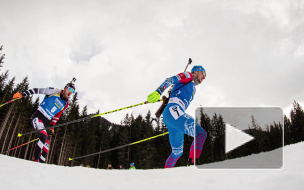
x=7 y=110
x=3 y=84
x=161 y=144
x=123 y=138
x=257 y=143
x=148 y=154
x=287 y=131
x=2 y=57
x=297 y=123
x=103 y=143
x=207 y=155
x=219 y=137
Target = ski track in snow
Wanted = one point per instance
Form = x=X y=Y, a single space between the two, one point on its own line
x=19 y=174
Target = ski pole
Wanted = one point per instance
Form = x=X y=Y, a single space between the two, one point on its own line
x=19 y=146
x=166 y=99
x=85 y=118
x=146 y=102
x=70 y=159
x=10 y=101
x=189 y=62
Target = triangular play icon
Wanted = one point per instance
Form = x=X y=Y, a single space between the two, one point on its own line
x=235 y=138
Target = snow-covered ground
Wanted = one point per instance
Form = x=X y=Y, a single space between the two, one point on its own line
x=19 y=174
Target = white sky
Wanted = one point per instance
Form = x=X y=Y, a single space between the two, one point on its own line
x=120 y=51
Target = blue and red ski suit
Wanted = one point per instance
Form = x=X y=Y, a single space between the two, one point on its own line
x=177 y=121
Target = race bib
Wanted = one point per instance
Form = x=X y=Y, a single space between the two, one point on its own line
x=176 y=112
x=53 y=109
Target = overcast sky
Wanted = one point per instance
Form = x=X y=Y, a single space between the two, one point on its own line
x=241 y=117
x=120 y=51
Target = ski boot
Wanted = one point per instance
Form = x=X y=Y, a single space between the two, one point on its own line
x=191 y=162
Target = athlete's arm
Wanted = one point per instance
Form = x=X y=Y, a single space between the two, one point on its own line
x=46 y=91
x=180 y=78
x=184 y=78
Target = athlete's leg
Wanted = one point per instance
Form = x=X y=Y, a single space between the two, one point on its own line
x=177 y=144
x=191 y=128
x=176 y=137
x=45 y=151
x=43 y=136
x=179 y=123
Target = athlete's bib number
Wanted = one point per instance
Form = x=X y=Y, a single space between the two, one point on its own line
x=53 y=109
x=176 y=112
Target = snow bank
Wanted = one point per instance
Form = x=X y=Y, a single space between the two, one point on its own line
x=19 y=174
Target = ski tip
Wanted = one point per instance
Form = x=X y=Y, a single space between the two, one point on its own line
x=19 y=135
x=70 y=159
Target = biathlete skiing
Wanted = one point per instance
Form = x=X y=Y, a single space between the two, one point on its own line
x=47 y=114
x=176 y=120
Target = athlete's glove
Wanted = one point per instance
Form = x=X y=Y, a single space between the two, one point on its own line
x=153 y=97
x=51 y=132
x=17 y=95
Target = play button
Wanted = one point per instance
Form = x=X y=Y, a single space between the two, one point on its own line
x=230 y=133
x=235 y=138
